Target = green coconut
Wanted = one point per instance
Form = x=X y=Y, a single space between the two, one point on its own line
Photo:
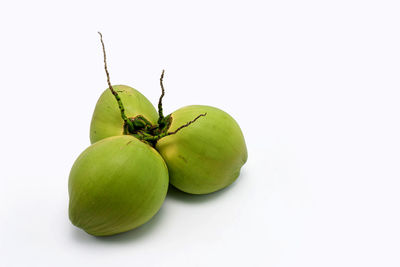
x=106 y=119
x=116 y=185
x=206 y=156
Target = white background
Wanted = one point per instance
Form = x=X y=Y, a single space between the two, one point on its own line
x=313 y=84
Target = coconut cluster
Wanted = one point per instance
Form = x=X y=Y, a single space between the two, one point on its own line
x=121 y=180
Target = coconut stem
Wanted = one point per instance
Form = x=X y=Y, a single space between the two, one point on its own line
x=139 y=126
x=187 y=124
x=155 y=138
x=117 y=97
x=160 y=108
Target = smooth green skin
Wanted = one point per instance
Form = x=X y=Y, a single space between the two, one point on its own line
x=207 y=155
x=116 y=185
x=106 y=119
